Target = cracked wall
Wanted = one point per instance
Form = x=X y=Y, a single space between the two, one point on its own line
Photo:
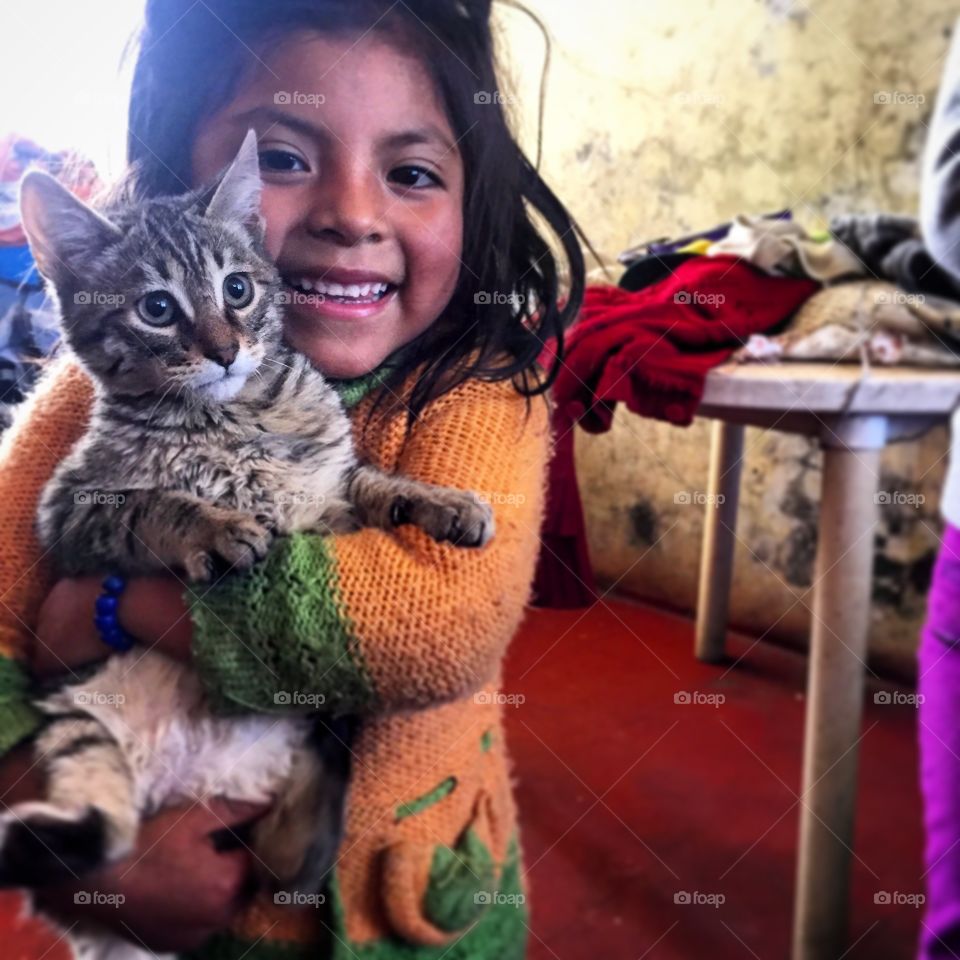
x=665 y=118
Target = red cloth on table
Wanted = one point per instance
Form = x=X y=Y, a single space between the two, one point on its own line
x=652 y=350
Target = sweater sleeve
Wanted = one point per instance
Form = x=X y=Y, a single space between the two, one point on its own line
x=44 y=429
x=940 y=192
x=376 y=620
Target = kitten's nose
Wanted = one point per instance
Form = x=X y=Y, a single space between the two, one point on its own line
x=224 y=354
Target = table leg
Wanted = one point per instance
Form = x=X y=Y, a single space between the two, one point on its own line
x=716 y=558
x=838 y=649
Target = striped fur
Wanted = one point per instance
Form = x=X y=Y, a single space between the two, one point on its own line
x=209 y=437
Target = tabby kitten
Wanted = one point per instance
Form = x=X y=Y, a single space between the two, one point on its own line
x=209 y=436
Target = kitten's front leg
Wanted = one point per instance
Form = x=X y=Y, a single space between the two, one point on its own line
x=386 y=501
x=150 y=531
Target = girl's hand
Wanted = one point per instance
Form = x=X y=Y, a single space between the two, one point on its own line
x=175 y=891
x=151 y=610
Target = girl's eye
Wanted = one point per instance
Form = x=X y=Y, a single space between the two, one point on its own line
x=415 y=177
x=281 y=160
x=158 y=308
x=237 y=290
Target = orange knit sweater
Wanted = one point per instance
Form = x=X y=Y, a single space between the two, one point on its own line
x=407 y=632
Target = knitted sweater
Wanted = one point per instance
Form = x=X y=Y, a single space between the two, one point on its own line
x=402 y=630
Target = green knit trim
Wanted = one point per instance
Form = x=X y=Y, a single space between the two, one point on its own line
x=500 y=934
x=352 y=391
x=278 y=637
x=440 y=791
x=18 y=716
x=461 y=886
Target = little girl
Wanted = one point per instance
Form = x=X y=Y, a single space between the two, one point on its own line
x=939 y=657
x=398 y=210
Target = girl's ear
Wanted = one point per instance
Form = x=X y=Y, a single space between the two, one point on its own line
x=238 y=195
x=63 y=232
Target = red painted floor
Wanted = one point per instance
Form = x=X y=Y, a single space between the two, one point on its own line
x=629 y=799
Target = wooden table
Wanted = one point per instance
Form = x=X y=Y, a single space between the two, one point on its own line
x=854 y=414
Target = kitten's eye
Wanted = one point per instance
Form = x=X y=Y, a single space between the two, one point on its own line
x=158 y=308
x=238 y=290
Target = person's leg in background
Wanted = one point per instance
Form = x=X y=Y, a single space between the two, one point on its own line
x=939 y=735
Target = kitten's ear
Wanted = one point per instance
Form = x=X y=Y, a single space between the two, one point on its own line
x=238 y=195
x=62 y=230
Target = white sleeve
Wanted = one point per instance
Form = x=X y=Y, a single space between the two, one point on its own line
x=940 y=189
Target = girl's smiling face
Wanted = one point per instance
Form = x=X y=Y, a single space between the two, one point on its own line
x=362 y=192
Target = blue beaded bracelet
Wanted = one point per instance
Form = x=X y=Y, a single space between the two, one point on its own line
x=105 y=617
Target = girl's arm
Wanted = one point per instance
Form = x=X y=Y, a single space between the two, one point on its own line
x=44 y=430
x=362 y=621
x=372 y=620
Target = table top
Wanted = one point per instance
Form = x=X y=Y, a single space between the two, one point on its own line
x=831 y=388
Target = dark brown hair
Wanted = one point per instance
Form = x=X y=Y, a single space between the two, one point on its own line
x=509 y=299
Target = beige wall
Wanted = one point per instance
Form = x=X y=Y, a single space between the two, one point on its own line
x=665 y=117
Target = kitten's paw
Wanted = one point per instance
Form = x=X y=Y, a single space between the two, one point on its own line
x=457 y=516
x=41 y=843
x=236 y=542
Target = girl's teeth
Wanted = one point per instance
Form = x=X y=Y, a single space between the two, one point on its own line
x=354 y=291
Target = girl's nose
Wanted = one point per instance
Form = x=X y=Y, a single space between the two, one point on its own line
x=347 y=211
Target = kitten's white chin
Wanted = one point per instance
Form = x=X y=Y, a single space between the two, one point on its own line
x=224 y=389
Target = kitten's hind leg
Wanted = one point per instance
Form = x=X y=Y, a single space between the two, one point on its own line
x=89 y=817
x=387 y=500
x=297 y=842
